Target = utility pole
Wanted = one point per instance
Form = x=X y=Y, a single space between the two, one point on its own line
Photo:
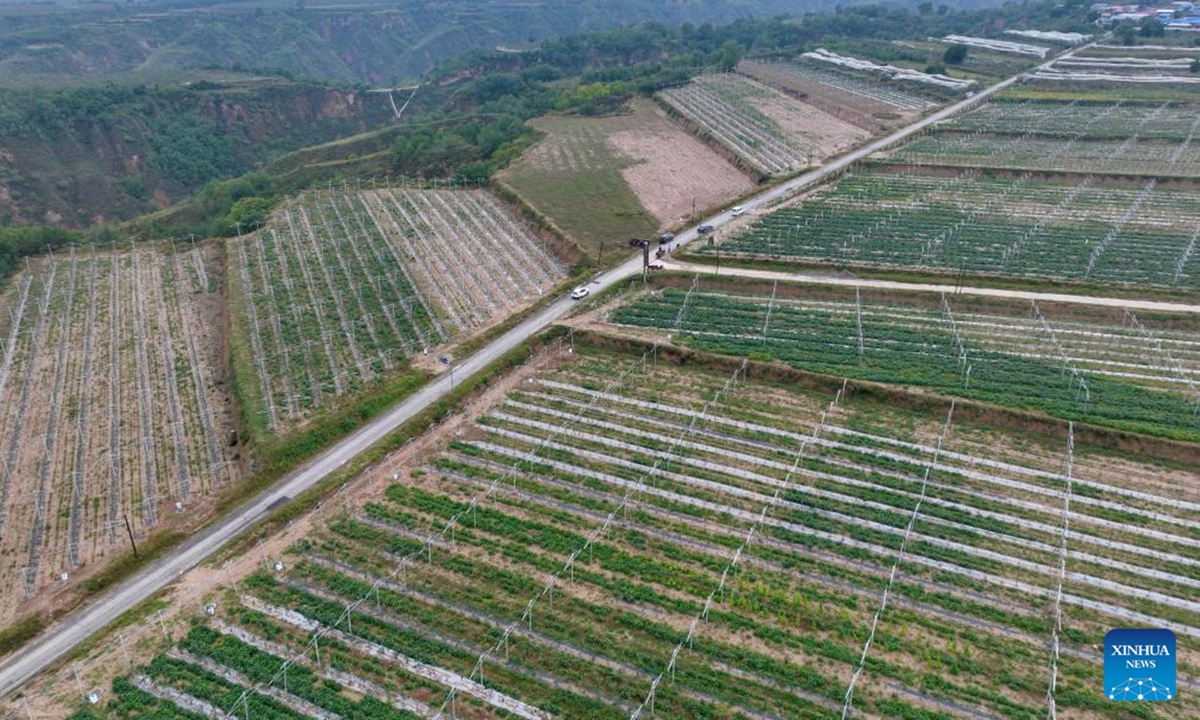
x=129 y=529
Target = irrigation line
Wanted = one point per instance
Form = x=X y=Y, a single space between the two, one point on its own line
x=14 y=445
x=732 y=565
x=1172 y=365
x=960 y=346
x=567 y=569
x=872 y=440
x=725 y=468
x=14 y=331
x=1068 y=364
x=426 y=549
x=858 y=320
x=912 y=521
x=684 y=305
x=78 y=488
x=851 y=468
x=1185 y=256
x=1051 y=708
x=54 y=417
x=770 y=306
x=199 y=385
x=1119 y=225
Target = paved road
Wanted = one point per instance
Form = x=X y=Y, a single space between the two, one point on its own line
x=59 y=639
x=815 y=279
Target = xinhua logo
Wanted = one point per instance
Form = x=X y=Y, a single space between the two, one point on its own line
x=1139 y=665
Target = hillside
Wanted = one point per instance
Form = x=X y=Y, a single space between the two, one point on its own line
x=374 y=43
x=95 y=155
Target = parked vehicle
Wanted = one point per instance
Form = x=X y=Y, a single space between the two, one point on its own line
x=666 y=239
x=705 y=229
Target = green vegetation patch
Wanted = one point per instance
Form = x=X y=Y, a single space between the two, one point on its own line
x=574 y=178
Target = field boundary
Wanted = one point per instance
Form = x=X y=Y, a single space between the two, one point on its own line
x=1144 y=446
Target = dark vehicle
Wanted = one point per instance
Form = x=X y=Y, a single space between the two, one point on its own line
x=705 y=229
x=666 y=239
x=655 y=266
x=637 y=242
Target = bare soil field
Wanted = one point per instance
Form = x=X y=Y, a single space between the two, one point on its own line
x=824 y=133
x=859 y=108
x=602 y=180
x=673 y=171
x=115 y=414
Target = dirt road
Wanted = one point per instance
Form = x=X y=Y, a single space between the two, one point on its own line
x=797 y=277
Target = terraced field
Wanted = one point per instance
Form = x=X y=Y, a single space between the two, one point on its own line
x=343 y=288
x=772 y=133
x=1153 y=138
x=1135 y=233
x=1121 y=157
x=112 y=408
x=1120 y=373
x=1177 y=121
x=621 y=538
x=867 y=103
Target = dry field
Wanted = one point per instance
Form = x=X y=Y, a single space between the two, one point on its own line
x=769 y=131
x=606 y=179
x=870 y=105
x=113 y=408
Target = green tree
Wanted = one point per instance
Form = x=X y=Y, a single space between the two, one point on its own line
x=476 y=172
x=250 y=212
x=1151 y=27
x=955 y=54
x=731 y=54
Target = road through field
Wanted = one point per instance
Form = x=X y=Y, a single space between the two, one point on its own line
x=67 y=633
x=814 y=279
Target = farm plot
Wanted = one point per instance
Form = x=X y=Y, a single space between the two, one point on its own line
x=1088 y=231
x=611 y=538
x=1127 y=377
x=771 y=132
x=1138 y=51
x=868 y=104
x=1168 y=67
x=1002 y=46
x=1130 y=156
x=342 y=287
x=1159 y=121
x=983 y=66
x=1090 y=74
x=601 y=179
x=112 y=406
x=937 y=81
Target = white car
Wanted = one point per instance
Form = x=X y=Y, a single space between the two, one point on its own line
x=580 y=293
x=738 y=211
